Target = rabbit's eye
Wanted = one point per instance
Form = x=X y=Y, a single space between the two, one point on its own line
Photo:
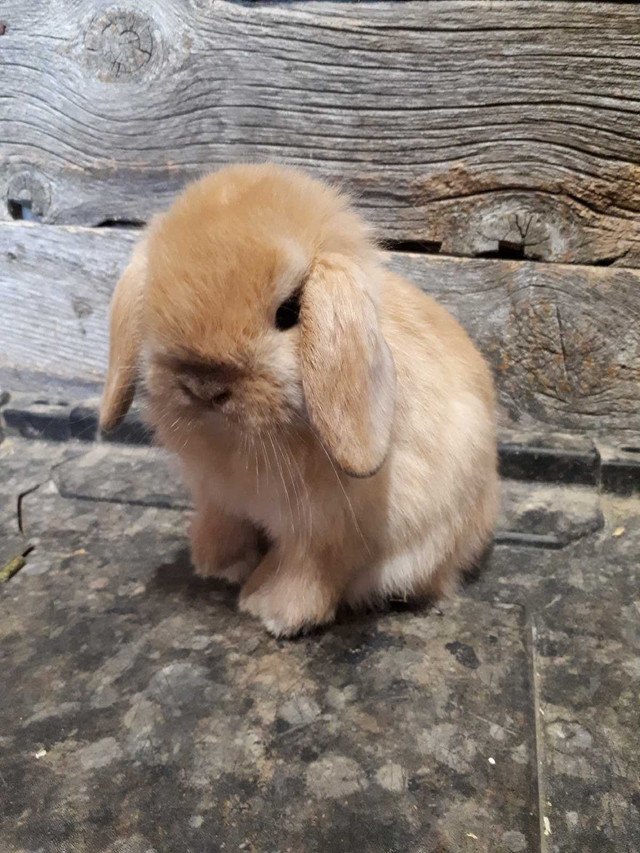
x=288 y=313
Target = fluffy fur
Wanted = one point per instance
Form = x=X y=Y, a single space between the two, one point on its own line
x=359 y=444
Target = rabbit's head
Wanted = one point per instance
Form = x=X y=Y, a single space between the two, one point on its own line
x=252 y=305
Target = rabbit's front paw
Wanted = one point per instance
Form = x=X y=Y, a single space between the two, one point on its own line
x=224 y=548
x=287 y=602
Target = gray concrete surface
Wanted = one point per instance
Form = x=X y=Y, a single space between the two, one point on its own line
x=140 y=712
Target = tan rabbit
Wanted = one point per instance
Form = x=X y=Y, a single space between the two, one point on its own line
x=315 y=400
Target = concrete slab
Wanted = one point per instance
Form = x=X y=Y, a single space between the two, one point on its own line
x=141 y=712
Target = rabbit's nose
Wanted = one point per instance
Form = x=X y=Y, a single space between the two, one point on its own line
x=220 y=396
x=208 y=383
x=211 y=394
x=214 y=393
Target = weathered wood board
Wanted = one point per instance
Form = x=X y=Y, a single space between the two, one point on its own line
x=564 y=341
x=503 y=127
x=55 y=287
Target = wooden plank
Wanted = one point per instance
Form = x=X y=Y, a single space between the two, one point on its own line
x=507 y=127
x=55 y=287
x=564 y=341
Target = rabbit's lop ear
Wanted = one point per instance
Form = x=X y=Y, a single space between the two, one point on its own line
x=124 y=341
x=348 y=374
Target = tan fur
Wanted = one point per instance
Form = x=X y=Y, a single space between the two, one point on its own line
x=269 y=425
x=348 y=375
x=124 y=340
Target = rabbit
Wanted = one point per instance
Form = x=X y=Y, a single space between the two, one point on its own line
x=334 y=424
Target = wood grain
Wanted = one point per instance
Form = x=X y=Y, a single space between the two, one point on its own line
x=504 y=128
x=564 y=341
x=55 y=287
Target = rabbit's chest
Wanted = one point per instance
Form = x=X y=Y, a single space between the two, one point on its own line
x=256 y=485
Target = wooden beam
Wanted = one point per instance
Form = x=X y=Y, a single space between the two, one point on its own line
x=503 y=128
x=564 y=341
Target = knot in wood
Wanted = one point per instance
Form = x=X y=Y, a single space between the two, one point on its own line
x=28 y=195
x=120 y=43
x=559 y=350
